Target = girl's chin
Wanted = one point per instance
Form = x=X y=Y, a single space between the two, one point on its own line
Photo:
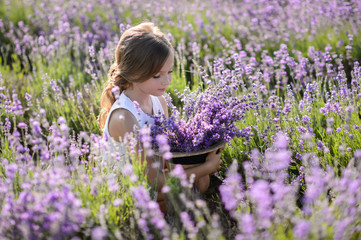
x=157 y=94
x=161 y=91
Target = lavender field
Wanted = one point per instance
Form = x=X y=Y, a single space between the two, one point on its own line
x=293 y=172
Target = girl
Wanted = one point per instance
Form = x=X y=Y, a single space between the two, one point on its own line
x=142 y=71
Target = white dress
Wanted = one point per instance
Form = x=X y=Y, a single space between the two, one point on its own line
x=114 y=156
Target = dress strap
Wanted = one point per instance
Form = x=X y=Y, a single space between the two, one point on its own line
x=157 y=106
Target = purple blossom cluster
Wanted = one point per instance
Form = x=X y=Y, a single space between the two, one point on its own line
x=45 y=208
x=267 y=196
x=208 y=117
x=40 y=162
x=151 y=220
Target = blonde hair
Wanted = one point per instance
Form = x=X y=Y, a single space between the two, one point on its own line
x=140 y=54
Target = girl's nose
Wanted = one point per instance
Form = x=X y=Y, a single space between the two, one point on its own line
x=167 y=79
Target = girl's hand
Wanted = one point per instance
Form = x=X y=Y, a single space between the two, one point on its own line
x=213 y=160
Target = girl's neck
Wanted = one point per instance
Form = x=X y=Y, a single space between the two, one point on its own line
x=144 y=100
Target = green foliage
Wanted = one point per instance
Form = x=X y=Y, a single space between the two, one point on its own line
x=16 y=12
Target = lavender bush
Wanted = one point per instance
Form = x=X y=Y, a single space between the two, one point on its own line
x=265 y=200
x=45 y=208
x=208 y=117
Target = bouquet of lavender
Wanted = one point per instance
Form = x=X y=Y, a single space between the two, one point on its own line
x=208 y=117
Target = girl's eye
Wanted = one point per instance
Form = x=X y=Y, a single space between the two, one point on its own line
x=158 y=76
x=170 y=72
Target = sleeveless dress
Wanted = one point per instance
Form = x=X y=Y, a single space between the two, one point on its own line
x=114 y=157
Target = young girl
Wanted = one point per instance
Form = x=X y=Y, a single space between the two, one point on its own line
x=142 y=71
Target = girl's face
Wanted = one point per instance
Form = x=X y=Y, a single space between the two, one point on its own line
x=157 y=84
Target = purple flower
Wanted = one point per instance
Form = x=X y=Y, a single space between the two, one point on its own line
x=305 y=119
x=281 y=141
x=10 y=171
x=231 y=191
x=301 y=129
x=248 y=224
x=91 y=51
x=99 y=233
x=151 y=217
x=61 y=120
x=117 y=202
x=209 y=117
x=116 y=92
x=178 y=172
x=145 y=138
x=41 y=40
x=28 y=99
x=21 y=125
x=277 y=161
x=188 y=225
x=301 y=230
x=46 y=206
x=164 y=148
x=260 y=194
x=357 y=154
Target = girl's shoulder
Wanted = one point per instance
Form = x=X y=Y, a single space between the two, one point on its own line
x=121 y=121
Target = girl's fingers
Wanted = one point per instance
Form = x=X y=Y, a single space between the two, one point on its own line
x=220 y=149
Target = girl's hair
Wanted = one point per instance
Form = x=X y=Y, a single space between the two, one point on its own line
x=140 y=54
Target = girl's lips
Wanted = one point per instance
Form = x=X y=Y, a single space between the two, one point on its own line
x=162 y=89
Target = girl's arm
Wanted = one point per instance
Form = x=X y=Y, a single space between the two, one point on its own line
x=210 y=166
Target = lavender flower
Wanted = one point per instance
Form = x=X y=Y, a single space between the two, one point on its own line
x=301 y=230
x=116 y=92
x=38 y=211
x=151 y=216
x=178 y=172
x=188 y=225
x=164 y=148
x=232 y=193
x=208 y=118
x=99 y=233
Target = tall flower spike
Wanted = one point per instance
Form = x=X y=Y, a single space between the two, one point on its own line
x=116 y=92
x=146 y=140
x=164 y=147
